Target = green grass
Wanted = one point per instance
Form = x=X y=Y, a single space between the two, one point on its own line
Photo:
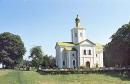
x=32 y=77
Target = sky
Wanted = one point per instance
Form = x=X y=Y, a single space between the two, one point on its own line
x=45 y=22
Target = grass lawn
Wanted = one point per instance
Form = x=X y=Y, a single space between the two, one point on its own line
x=32 y=77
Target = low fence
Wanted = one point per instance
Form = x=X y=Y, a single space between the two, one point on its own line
x=83 y=71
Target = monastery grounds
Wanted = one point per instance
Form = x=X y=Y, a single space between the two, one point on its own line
x=33 y=77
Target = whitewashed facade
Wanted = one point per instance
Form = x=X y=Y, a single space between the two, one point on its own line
x=81 y=52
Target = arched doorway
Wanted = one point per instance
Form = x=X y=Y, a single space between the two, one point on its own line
x=88 y=64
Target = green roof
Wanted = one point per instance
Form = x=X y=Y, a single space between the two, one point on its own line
x=65 y=44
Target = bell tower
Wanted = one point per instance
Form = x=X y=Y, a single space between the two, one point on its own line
x=78 y=33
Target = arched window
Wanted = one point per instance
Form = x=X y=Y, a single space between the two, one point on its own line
x=63 y=63
x=89 y=52
x=73 y=62
x=84 y=52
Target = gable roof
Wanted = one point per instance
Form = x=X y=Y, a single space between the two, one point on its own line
x=74 y=44
x=87 y=41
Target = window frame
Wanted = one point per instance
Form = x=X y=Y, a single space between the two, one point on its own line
x=89 y=52
x=74 y=63
x=84 y=52
x=64 y=63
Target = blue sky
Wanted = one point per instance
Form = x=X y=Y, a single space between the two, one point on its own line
x=44 y=22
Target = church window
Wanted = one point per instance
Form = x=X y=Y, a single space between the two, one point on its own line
x=73 y=62
x=72 y=54
x=63 y=63
x=76 y=35
x=84 y=52
x=89 y=52
x=81 y=34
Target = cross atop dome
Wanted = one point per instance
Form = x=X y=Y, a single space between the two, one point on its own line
x=77 y=21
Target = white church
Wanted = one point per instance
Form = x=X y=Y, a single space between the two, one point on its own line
x=81 y=52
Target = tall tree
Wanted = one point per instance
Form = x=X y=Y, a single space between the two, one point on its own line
x=37 y=55
x=11 y=49
x=117 y=51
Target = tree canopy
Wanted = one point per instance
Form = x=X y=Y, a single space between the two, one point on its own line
x=37 y=55
x=48 y=62
x=39 y=60
x=11 y=49
x=117 y=52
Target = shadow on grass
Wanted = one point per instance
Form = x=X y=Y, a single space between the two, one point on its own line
x=124 y=75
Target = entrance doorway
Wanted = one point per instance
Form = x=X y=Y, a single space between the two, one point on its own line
x=88 y=64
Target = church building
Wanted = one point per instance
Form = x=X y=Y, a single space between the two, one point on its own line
x=81 y=52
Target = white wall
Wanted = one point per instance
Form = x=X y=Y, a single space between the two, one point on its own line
x=78 y=38
x=87 y=57
x=72 y=58
x=59 y=60
x=99 y=59
x=61 y=55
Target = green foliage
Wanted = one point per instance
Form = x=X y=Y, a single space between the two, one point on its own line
x=11 y=49
x=48 y=62
x=39 y=60
x=24 y=65
x=37 y=56
x=116 y=52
